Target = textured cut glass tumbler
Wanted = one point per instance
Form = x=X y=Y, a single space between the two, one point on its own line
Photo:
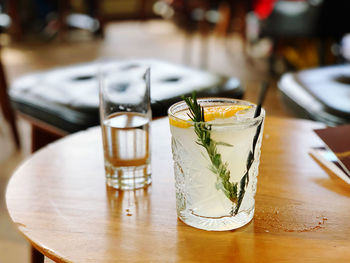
x=125 y=113
x=216 y=177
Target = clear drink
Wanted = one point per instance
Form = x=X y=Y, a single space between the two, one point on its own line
x=125 y=113
x=216 y=178
x=126 y=150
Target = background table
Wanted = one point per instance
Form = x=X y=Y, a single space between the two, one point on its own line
x=59 y=201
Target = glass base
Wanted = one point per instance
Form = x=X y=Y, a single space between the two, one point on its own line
x=129 y=178
x=216 y=223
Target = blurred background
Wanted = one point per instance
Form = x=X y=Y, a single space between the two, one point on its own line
x=300 y=47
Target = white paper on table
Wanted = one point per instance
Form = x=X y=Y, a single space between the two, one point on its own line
x=328 y=159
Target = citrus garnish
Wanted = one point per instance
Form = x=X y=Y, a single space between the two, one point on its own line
x=210 y=113
x=182 y=120
x=179 y=123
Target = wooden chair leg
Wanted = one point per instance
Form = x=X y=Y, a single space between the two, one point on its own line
x=36 y=256
x=13 y=9
x=6 y=106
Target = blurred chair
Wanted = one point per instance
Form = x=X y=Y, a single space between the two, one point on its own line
x=204 y=17
x=321 y=94
x=5 y=104
x=46 y=19
x=65 y=100
x=99 y=12
x=290 y=25
x=292 y=19
x=303 y=32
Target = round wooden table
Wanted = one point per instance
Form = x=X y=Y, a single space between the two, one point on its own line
x=59 y=201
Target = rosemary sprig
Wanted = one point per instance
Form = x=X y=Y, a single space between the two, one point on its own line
x=218 y=166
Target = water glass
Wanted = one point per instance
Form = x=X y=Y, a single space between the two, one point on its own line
x=125 y=114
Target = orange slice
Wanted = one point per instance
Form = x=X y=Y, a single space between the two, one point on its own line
x=210 y=113
x=179 y=123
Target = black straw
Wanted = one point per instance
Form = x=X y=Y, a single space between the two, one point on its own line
x=262 y=95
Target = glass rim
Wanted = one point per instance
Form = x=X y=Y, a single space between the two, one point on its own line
x=249 y=121
x=122 y=64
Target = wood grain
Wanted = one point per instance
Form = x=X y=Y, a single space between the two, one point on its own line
x=59 y=201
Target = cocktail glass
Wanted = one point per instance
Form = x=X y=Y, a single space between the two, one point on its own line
x=216 y=162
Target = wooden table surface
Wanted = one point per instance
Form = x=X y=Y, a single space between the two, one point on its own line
x=59 y=201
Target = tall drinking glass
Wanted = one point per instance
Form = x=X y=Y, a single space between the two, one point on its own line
x=216 y=162
x=125 y=114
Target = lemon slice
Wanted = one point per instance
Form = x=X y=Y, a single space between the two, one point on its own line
x=210 y=114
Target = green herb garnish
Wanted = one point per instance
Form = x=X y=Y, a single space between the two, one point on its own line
x=218 y=166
